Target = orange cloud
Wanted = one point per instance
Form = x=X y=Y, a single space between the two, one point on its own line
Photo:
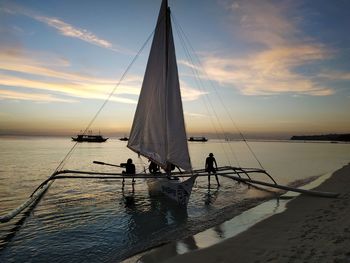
x=79 y=90
x=38 y=97
x=70 y=84
x=272 y=68
x=190 y=94
x=270 y=71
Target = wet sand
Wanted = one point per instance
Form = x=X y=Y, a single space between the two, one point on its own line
x=312 y=229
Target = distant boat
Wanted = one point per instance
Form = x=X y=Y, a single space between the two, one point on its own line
x=197 y=139
x=124 y=139
x=89 y=138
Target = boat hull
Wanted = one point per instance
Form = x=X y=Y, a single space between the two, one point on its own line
x=197 y=139
x=174 y=189
x=89 y=139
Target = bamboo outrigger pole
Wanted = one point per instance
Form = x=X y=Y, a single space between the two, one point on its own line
x=230 y=172
x=283 y=187
x=109 y=176
x=37 y=195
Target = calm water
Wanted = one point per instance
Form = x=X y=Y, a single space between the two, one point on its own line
x=89 y=221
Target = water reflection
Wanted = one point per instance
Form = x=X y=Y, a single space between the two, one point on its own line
x=223 y=231
x=211 y=195
x=128 y=198
x=220 y=232
x=216 y=234
x=185 y=245
x=75 y=217
x=170 y=250
x=5 y=240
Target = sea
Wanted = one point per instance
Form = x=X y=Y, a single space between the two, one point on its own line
x=85 y=220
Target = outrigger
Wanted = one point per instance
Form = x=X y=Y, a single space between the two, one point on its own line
x=239 y=174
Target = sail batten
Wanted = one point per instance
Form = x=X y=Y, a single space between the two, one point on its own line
x=158 y=130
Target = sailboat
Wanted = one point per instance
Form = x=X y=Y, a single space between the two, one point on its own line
x=158 y=130
x=158 y=133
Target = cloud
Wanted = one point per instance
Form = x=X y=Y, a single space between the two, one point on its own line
x=37 y=97
x=278 y=54
x=65 y=28
x=69 y=30
x=78 y=90
x=19 y=70
x=190 y=94
x=334 y=75
x=265 y=22
x=15 y=60
x=269 y=72
x=195 y=115
x=49 y=73
x=188 y=64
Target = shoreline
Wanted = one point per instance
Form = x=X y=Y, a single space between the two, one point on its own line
x=213 y=246
x=312 y=229
x=196 y=227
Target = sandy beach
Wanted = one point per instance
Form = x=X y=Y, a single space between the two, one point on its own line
x=312 y=229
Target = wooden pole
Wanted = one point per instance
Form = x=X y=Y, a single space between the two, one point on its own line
x=283 y=187
x=29 y=201
x=103 y=163
x=227 y=171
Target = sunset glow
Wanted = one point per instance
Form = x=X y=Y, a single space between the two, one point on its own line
x=271 y=68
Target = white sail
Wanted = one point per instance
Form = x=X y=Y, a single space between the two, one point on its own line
x=158 y=131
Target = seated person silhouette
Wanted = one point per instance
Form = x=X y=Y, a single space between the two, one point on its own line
x=129 y=169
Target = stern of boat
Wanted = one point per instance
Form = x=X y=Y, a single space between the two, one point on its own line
x=173 y=188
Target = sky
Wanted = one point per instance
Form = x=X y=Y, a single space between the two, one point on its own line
x=269 y=69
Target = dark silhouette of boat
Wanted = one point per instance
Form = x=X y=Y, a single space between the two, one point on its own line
x=89 y=138
x=197 y=139
x=124 y=139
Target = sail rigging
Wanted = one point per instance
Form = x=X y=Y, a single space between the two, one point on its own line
x=158 y=130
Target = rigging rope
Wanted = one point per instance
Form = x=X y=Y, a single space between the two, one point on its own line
x=70 y=152
x=36 y=194
x=218 y=95
x=201 y=86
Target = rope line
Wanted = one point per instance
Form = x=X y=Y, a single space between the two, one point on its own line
x=70 y=152
x=200 y=84
x=219 y=96
x=207 y=100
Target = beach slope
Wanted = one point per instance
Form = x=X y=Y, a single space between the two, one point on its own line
x=312 y=229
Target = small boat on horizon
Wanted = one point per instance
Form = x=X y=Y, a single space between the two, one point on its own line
x=89 y=138
x=124 y=138
x=197 y=139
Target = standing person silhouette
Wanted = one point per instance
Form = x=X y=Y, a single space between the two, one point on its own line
x=209 y=167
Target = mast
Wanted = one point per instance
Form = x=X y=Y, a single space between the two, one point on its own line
x=167 y=19
x=158 y=130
